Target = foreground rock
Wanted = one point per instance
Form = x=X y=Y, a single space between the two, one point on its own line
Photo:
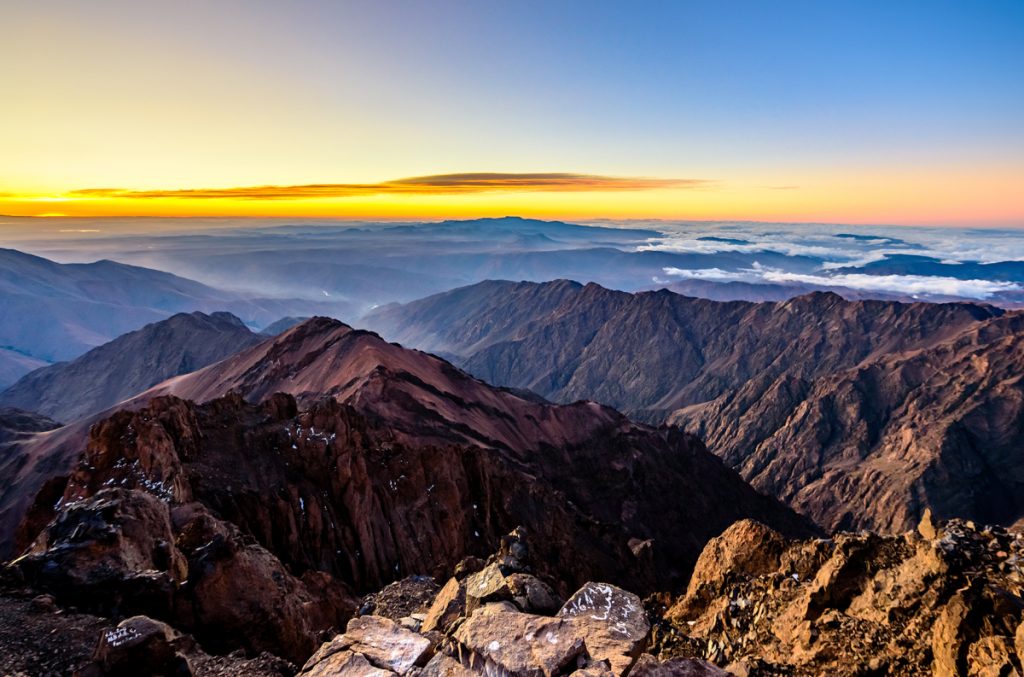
x=479 y=624
x=370 y=645
x=122 y=551
x=141 y=646
x=944 y=600
x=613 y=622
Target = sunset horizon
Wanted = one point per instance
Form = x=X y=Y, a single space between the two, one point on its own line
x=463 y=338
x=878 y=113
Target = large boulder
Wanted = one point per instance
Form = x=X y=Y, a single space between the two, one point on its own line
x=747 y=548
x=371 y=645
x=239 y=594
x=612 y=623
x=141 y=647
x=113 y=552
x=519 y=645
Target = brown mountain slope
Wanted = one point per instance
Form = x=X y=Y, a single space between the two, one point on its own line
x=382 y=462
x=619 y=475
x=941 y=427
x=754 y=381
x=130 y=364
x=650 y=353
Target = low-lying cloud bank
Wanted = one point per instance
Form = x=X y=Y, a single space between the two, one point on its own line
x=837 y=246
x=911 y=285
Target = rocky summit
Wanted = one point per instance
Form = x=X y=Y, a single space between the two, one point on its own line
x=327 y=503
x=256 y=522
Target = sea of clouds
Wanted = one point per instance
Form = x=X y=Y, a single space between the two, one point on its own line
x=836 y=247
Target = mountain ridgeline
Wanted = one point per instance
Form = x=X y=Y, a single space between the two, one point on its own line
x=860 y=414
x=327 y=459
x=262 y=492
x=129 y=364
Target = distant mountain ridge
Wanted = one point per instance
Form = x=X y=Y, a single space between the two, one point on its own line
x=53 y=311
x=760 y=382
x=14 y=364
x=129 y=364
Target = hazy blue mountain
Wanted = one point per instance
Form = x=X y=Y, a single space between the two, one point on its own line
x=129 y=364
x=53 y=312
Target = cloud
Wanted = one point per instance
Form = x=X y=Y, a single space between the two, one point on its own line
x=906 y=284
x=835 y=246
x=716 y=274
x=911 y=285
x=477 y=182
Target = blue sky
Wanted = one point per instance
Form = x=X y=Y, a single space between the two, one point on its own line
x=751 y=95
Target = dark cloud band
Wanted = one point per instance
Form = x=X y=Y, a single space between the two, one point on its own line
x=480 y=182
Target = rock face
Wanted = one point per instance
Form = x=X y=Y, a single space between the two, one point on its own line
x=435 y=464
x=122 y=551
x=860 y=414
x=129 y=364
x=947 y=605
x=243 y=523
x=874 y=445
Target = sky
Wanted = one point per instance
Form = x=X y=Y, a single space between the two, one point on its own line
x=846 y=112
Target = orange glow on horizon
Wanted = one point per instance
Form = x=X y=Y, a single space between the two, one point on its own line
x=899 y=198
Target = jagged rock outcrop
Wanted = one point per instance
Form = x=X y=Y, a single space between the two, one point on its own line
x=126 y=551
x=436 y=464
x=242 y=522
x=601 y=630
x=944 y=600
x=941 y=427
x=860 y=414
x=130 y=364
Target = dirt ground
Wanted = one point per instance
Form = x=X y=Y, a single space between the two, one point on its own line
x=38 y=639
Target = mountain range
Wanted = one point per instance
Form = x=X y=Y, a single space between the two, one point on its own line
x=260 y=491
x=349 y=462
x=54 y=312
x=837 y=407
x=128 y=365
